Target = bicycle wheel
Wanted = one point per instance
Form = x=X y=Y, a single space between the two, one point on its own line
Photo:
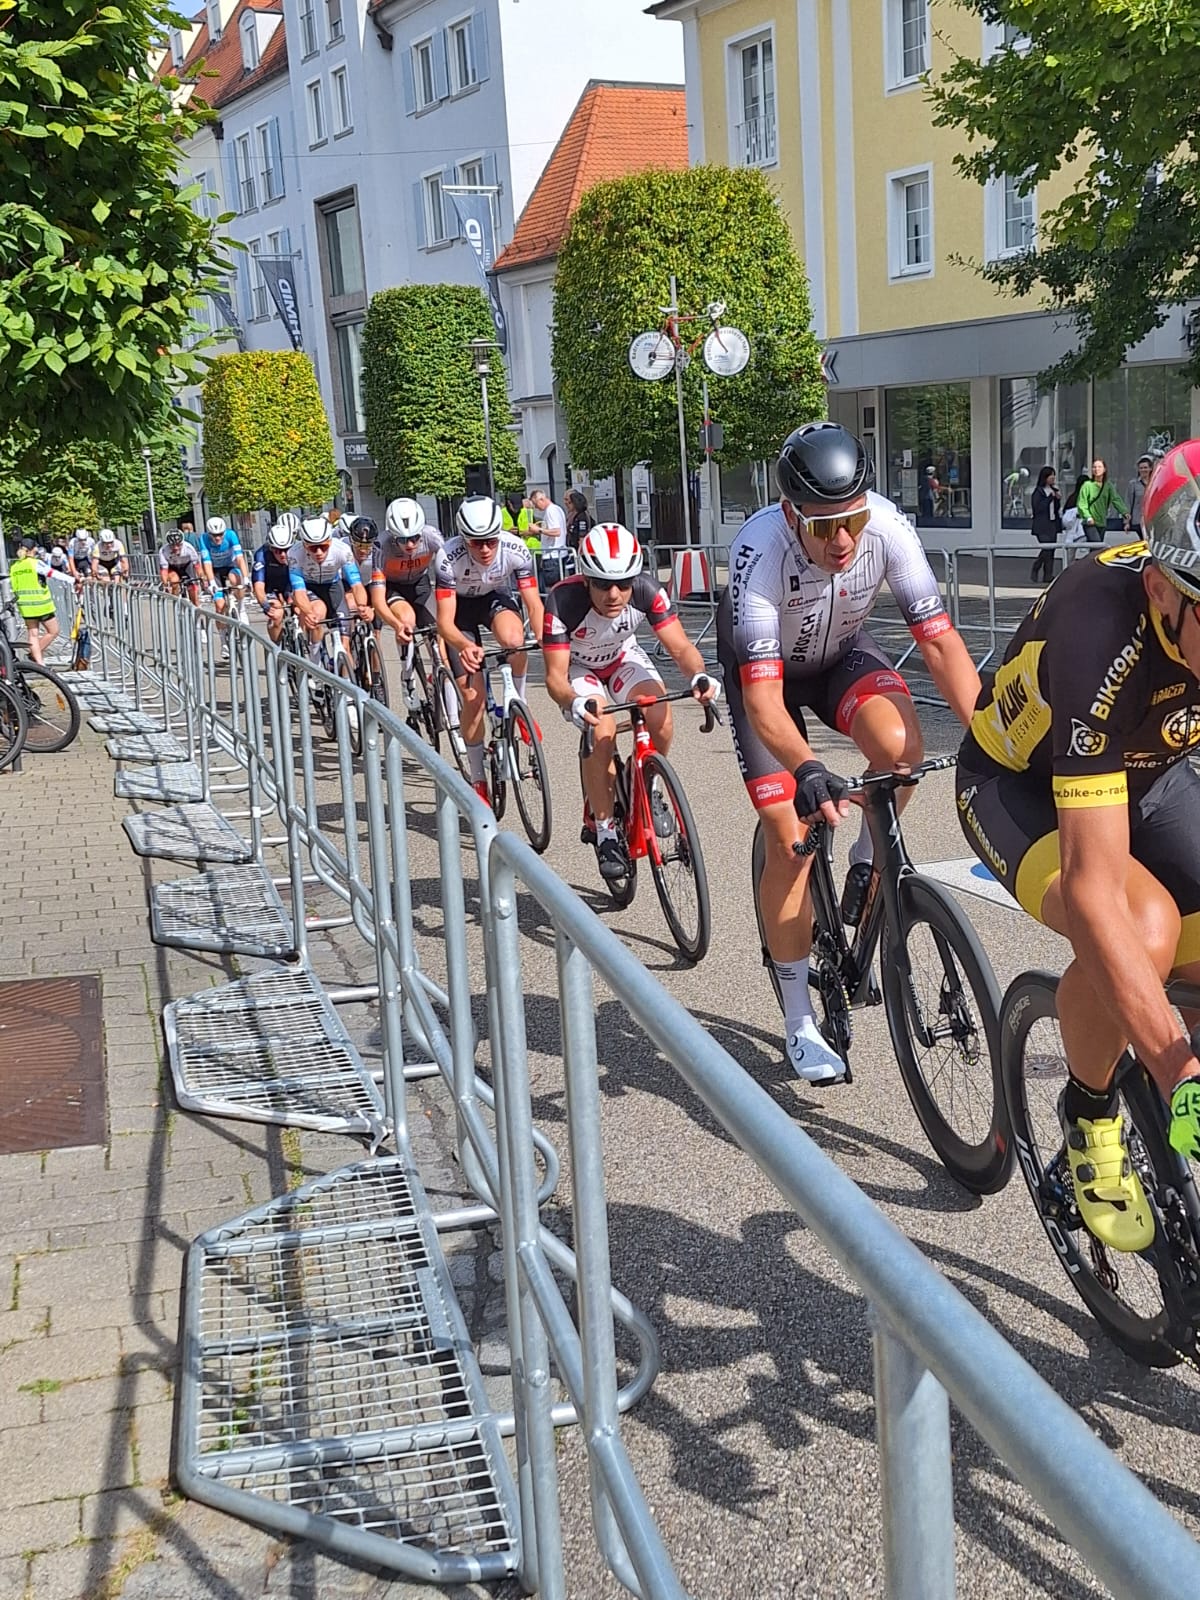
x=344 y=668
x=1130 y=1296
x=14 y=724
x=447 y=710
x=419 y=697
x=497 y=783
x=679 y=875
x=51 y=709
x=758 y=859
x=373 y=675
x=624 y=888
x=942 y=1005
x=530 y=779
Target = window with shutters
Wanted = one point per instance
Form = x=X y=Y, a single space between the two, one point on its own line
x=461 y=56
x=244 y=164
x=424 y=78
x=270 y=165
x=470 y=173
x=436 y=231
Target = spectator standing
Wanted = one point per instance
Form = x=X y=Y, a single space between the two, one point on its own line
x=1047 y=524
x=580 y=521
x=556 y=560
x=518 y=519
x=30 y=580
x=1098 y=501
x=1137 y=492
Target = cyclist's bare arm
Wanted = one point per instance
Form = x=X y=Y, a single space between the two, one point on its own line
x=378 y=597
x=470 y=653
x=358 y=595
x=953 y=671
x=685 y=656
x=1090 y=906
x=558 y=685
x=534 y=610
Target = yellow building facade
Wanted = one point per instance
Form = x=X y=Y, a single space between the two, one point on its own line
x=925 y=358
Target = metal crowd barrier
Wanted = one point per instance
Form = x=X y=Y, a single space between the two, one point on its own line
x=300 y=1292
x=704 y=571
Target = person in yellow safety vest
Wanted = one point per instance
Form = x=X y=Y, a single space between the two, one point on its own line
x=518 y=519
x=30 y=580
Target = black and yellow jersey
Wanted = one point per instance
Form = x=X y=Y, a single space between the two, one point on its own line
x=1091 y=693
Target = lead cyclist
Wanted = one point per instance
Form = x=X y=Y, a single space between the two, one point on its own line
x=804 y=575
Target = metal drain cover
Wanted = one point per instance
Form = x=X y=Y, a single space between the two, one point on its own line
x=52 y=1079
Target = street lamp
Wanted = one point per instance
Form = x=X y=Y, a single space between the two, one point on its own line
x=150 y=492
x=481 y=355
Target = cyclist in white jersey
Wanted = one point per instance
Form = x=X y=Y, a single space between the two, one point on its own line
x=803 y=578
x=481 y=577
x=179 y=565
x=323 y=570
x=80 y=550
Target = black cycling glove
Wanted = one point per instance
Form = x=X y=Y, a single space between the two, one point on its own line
x=815 y=784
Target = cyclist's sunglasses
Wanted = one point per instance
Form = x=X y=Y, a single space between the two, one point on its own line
x=483 y=544
x=324 y=545
x=407 y=538
x=826 y=528
x=608 y=584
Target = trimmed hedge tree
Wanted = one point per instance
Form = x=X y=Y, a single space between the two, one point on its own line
x=721 y=233
x=421 y=397
x=266 y=436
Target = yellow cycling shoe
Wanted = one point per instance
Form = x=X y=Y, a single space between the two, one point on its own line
x=1184 y=1131
x=1108 y=1191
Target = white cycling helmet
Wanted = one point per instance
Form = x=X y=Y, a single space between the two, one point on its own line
x=316 y=530
x=82 y=533
x=107 y=536
x=479 y=517
x=215 y=526
x=280 y=537
x=405 y=519
x=610 y=554
x=290 y=521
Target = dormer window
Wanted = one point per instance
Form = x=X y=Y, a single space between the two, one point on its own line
x=213 y=10
x=250 y=41
x=177 y=51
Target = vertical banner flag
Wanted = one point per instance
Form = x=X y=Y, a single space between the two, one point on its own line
x=474 y=207
x=279 y=274
x=228 y=316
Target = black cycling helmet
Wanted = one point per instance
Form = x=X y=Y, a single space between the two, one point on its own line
x=364 y=530
x=823 y=463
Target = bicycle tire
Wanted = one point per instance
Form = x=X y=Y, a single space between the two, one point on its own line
x=1150 y=1337
x=373 y=672
x=446 y=694
x=622 y=890
x=691 y=936
x=527 y=764
x=344 y=669
x=982 y=1161
x=497 y=784
x=14 y=725
x=51 y=727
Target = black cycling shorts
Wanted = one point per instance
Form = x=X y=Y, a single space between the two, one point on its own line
x=419 y=595
x=1011 y=822
x=221 y=576
x=187 y=575
x=330 y=595
x=833 y=695
x=473 y=613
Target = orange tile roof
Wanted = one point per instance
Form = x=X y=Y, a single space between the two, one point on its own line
x=616 y=129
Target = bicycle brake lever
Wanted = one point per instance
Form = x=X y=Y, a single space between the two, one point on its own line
x=712 y=718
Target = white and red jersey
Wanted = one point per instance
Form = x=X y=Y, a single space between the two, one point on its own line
x=595 y=641
x=455 y=570
x=784 y=617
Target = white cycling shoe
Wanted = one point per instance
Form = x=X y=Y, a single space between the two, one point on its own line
x=811 y=1058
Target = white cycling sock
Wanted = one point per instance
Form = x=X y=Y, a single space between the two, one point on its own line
x=520 y=684
x=606 y=830
x=862 y=849
x=475 y=762
x=314 y=651
x=793 y=988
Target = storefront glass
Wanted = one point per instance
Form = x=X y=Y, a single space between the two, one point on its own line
x=1138 y=411
x=1039 y=428
x=929 y=453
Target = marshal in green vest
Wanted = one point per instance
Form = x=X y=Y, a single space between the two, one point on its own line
x=30 y=590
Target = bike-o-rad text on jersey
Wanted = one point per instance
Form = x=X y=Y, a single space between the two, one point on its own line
x=787 y=618
x=406 y=563
x=337 y=564
x=178 y=560
x=1091 y=696
x=593 y=640
x=456 y=572
x=222 y=552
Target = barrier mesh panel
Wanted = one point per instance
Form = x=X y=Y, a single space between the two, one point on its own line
x=228 y=909
x=186 y=833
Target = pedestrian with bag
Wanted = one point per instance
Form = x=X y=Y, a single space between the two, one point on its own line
x=1047 y=525
x=1098 y=501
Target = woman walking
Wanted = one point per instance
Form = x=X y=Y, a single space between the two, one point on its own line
x=1137 y=493
x=1098 y=501
x=1047 y=524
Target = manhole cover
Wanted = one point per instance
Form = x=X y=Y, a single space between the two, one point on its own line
x=51 y=1064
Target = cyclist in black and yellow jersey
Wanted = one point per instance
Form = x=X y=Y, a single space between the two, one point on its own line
x=1073 y=788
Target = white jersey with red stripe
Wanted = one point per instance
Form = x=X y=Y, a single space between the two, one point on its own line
x=784 y=617
x=598 y=642
x=456 y=570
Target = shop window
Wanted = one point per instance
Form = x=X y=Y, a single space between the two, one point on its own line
x=1138 y=411
x=929 y=453
x=1039 y=428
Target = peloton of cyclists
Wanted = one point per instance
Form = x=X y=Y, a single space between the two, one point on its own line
x=482 y=576
x=1074 y=788
x=804 y=575
x=592 y=654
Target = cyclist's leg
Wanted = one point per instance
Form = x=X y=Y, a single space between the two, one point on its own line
x=171 y=580
x=598 y=770
x=313 y=622
x=275 y=608
x=404 y=619
x=636 y=678
x=507 y=622
x=220 y=583
x=471 y=614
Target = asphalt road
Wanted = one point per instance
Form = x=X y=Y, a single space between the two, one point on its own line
x=756 y=1446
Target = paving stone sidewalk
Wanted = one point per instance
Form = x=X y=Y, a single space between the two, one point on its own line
x=92 y=1240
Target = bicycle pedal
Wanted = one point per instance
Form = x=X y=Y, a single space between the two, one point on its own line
x=587 y=835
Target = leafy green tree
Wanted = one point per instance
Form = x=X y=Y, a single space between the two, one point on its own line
x=421 y=395
x=108 y=480
x=266 y=436
x=721 y=233
x=101 y=256
x=1106 y=88
x=72 y=509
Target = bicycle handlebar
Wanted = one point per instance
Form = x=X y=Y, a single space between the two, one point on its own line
x=711 y=715
x=501 y=653
x=897 y=780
